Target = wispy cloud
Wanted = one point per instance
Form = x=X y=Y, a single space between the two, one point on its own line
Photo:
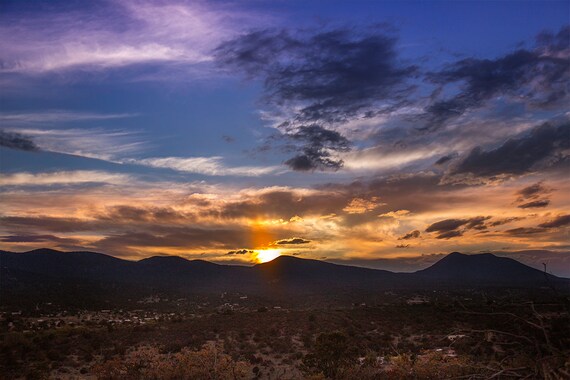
x=58 y=116
x=62 y=178
x=93 y=142
x=120 y=147
x=213 y=166
x=114 y=35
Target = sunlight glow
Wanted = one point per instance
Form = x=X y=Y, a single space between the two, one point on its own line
x=266 y=255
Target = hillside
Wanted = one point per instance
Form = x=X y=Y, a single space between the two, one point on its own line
x=87 y=276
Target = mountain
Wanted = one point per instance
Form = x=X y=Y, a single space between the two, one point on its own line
x=484 y=268
x=89 y=277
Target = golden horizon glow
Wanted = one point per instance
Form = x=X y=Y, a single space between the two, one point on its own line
x=266 y=255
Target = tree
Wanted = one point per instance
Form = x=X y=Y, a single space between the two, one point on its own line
x=330 y=354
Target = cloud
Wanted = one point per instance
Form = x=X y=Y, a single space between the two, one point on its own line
x=444 y=159
x=537 y=77
x=399 y=194
x=410 y=235
x=240 y=252
x=559 y=221
x=33 y=238
x=449 y=234
x=280 y=203
x=213 y=166
x=58 y=116
x=528 y=197
x=51 y=223
x=292 y=241
x=145 y=214
x=403 y=246
x=361 y=206
x=446 y=225
x=535 y=204
x=86 y=142
x=545 y=146
x=14 y=140
x=533 y=191
x=525 y=231
x=449 y=228
x=176 y=238
x=503 y=221
x=63 y=178
x=330 y=75
x=317 y=148
x=115 y=35
x=315 y=80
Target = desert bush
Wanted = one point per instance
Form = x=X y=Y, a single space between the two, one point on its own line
x=148 y=363
x=430 y=365
x=330 y=355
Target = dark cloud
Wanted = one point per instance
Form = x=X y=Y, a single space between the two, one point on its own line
x=532 y=191
x=333 y=75
x=410 y=235
x=403 y=246
x=477 y=223
x=281 y=204
x=525 y=231
x=544 y=146
x=417 y=193
x=445 y=159
x=446 y=225
x=449 y=228
x=535 y=204
x=175 y=237
x=51 y=224
x=18 y=141
x=559 y=221
x=38 y=239
x=125 y=213
x=321 y=78
x=317 y=146
x=292 y=241
x=538 y=77
x=240 y=252
x=449 y=234
x=500 y=222
x=528 y=197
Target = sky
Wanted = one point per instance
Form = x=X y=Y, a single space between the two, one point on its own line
x=382 y=134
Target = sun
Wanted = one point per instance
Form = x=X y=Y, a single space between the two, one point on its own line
x=265 y=255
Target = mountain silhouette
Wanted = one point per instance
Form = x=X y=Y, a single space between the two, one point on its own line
x=90 y=276
x=483 y=268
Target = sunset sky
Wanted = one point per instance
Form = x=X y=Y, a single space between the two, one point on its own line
x=372 y=133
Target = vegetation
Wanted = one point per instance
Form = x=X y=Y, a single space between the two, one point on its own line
x=465 y=335
x=146 y=362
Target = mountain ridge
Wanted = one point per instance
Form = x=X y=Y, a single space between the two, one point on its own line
x=280 y=260
x=61 y=274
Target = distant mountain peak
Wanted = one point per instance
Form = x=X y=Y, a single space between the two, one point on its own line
x=163 y=258
x=43 y=251
x=481 y=267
